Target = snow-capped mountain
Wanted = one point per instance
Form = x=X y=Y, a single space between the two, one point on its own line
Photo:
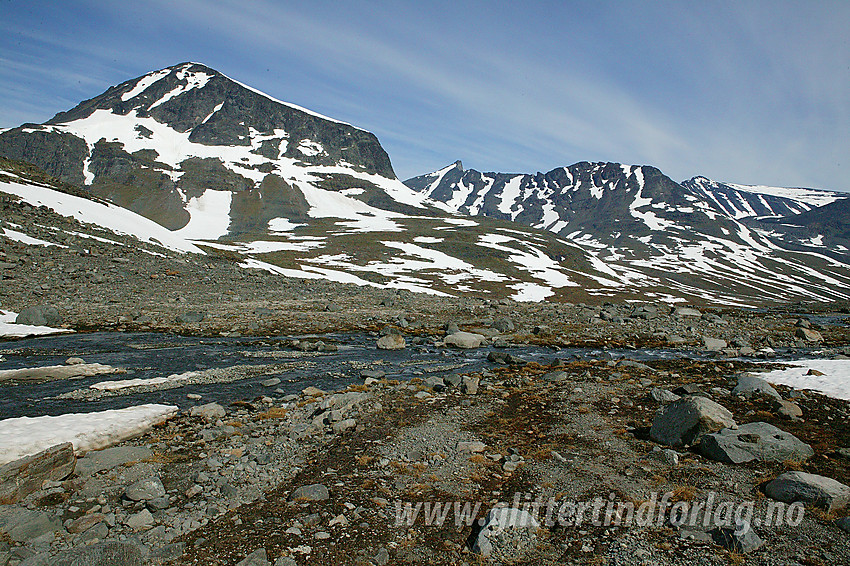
x=701 y=238
x=197 y=151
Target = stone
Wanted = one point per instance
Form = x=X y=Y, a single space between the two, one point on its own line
x=663 y=395
x=435 y=383
x=109 y=458
x=39 y=315
x=190 y=317
x=391 y=342
x=751 y=386
x=146 y=489
x=285 y=561
x=788 y=410
x=274 y=381
x=22 y=525
x=754 y=441
x=256 y=558
x=713 y=344
x=314 y=492
x=464 y=340
x=25 y=476
x=141 y=521
x=344 y=425
x=809 y=335
x=503 y=325
x=382 y=558
x=475 y=447
x=107 y=553
x=452 y=379
x=210 y=411
x=810 y=489
x=469 y=385
x=687 y=312
x=740 y=538
x=84 y=523
x=555 y=376
x=844 y=524
x=311 y=391
x=684 y=422
x=74 y=361
x=506 y=534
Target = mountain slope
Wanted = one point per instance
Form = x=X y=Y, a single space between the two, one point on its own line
x=697 y=238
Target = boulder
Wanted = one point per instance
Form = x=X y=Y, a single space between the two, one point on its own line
x=686 y=421
x=788 y=410
x=754 y=441
x=663 y=395
x=506 y=535
x=39 y=315
x=556 y=376
x=391 y=342
x=469 y=385
x=810 y=489
x=314 y=492
x=465 y=340
x=22 y=477
x=809 y=335
x=145 y=490
x=752 y=386
x=141 y=521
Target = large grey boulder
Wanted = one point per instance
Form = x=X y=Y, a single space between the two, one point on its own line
x=810 y=489
x=465 y=340
x=22 y=477
x=686 y=421
x=110 y=458
x=506 y=535
x=39 y=315
x=751 y=386
x=754 y=441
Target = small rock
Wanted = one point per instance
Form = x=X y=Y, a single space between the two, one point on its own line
x=663 y=395
x=506 y=534
x=750 y=386
x=74 y=361
x=469 y=385
x=274 y=381
x=475 y=447
x=742 y=538
x=714 y=344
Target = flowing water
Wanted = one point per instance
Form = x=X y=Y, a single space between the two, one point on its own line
x=147 y=355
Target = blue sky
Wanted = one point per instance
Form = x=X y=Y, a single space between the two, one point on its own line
x=745 y=91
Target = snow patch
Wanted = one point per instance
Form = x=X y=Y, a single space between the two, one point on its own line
x=24 y=436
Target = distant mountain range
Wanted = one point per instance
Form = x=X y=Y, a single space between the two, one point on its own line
x=230 y=171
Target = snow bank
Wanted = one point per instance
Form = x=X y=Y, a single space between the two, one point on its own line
x=24 y=436
x=835 y=381
x=8 y=328
x=150 y=382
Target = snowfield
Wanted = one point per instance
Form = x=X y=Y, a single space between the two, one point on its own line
x=835 y=381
